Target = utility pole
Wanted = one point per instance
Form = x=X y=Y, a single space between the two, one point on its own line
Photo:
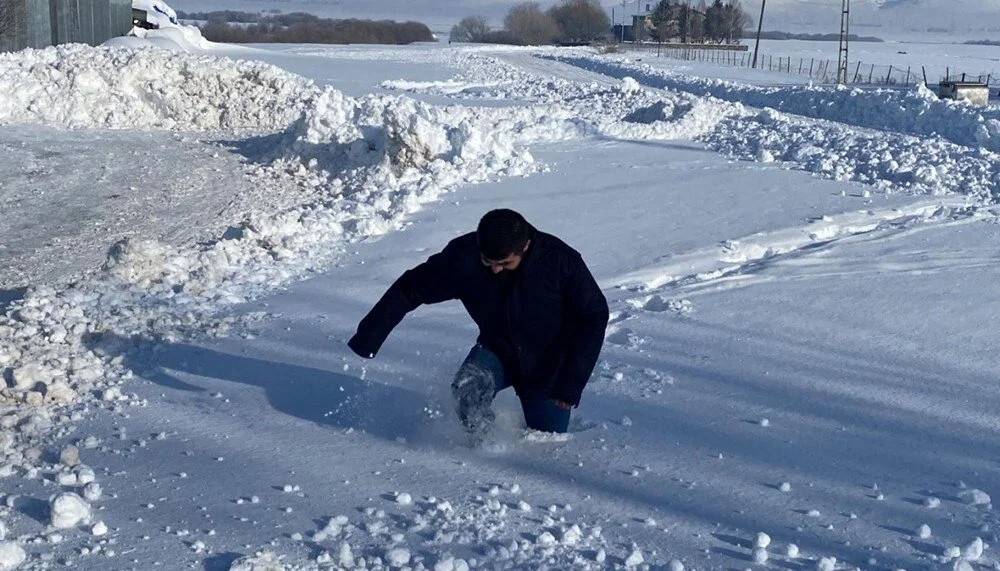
x=845 y=37
x=760 y=26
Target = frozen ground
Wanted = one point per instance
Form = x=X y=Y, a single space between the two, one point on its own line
x=801 y=342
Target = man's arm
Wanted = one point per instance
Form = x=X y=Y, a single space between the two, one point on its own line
x=433 y=281
x=589 y=311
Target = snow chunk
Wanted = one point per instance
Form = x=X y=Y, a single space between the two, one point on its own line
x=635 y=559
x=69 y=510
x=923 y=532
x=975 y=497
x=932 y=502
x=792 y=551
x=99 y=529
x=762 y=540
x=404 y=499
x=572 y=536
x=676 y=565
x=630 y=85
x=398 y=557
x=785 y=487
x=760 y=556
x=262 y=561
x=344 y=555
x=92 y=492
x=826 y=564
x=11 y=555
x=70 y=456
x=973 y=550
x=546 y=539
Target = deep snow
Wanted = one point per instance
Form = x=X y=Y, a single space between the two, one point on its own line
x=806 y=357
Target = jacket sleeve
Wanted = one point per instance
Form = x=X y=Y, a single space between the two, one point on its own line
x=433 y=281
x=589 y=318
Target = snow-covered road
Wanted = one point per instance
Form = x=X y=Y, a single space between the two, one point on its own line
x=790 y=353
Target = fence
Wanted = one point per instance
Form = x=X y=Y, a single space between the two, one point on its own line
x=819 y=70
x=40 y=23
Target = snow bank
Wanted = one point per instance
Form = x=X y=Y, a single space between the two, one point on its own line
x=173 y=38
x=106 y=87
x=916 y=111
x=892 y=162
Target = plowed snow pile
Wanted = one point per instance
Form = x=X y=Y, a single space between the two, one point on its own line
x=79 y=86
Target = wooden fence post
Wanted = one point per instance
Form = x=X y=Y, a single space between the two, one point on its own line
x=889 y=76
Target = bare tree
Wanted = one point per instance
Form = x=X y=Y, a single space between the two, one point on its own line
x=527 y=25
x=471 y=29
x=581 y=20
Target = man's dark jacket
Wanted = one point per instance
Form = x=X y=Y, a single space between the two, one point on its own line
x=545 y=320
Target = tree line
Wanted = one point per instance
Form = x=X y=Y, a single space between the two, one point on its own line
x=569 y=21
x=300 y=28
x=585 y=21
x=719 y=22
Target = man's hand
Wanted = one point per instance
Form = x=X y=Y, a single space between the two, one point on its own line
x=356 y=346
x=562 y=404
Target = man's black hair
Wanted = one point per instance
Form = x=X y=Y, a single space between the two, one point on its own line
x=501 y=233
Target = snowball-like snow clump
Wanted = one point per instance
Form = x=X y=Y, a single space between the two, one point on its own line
x=69 y=510
x=762 y=540
x=760 y=556
x=11 y=555
x=924 y=531
x=792 y=551
x=826 y=564
x=975 y=497
x=676 y=565
x=397 y=557
x=973 y=550
x=264 y=561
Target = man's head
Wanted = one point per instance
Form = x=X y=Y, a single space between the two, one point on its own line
x=504 y=236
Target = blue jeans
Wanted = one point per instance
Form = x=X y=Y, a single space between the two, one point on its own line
x=477 y=383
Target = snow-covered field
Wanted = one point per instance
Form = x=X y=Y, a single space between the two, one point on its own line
x=799 y=372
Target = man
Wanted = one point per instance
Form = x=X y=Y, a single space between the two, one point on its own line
x=541 y=319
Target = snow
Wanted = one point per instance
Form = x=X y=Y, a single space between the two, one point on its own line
x=805 y=294
x=398 y=557
x=12 y=555
x=68 y=510
x=262 y=561
x=975 y=497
